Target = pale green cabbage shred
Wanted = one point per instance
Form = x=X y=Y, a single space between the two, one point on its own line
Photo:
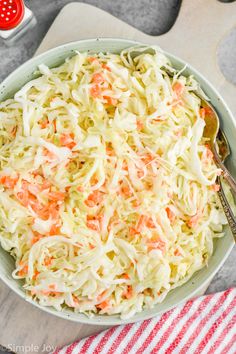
x=128 y=138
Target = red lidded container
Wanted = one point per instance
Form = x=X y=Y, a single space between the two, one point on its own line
x=11 y=13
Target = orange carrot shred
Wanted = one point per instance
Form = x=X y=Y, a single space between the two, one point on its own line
x=104 y=66
x=111 y=101
x=56 y=196
x=140 y=124
x=150 y=223
x=94 y=199
x=98 y=78
x=215 y=187
x=103 y=305
x=48 y=261
x=8 y=182
x=141 y=222
x=67 y=140
x=95 y=91
x=55 y=230
x=170 y=214
x=129 y=292
x=23 y=271
x=125 y=276
x=178 y=88
x=36 y=273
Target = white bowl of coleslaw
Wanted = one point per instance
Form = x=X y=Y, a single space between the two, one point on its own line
x=157 y=171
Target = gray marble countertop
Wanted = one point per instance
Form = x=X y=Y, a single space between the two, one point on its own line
x=150 y=16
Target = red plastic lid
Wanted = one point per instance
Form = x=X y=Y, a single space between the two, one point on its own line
x=11 y=13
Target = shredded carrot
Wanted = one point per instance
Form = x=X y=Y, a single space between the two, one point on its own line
x=124 y=166
x=95 y=91
x=23 y=271
x=52 y=293
x=56 y=196
x=48 y=261
x=98 y=78
x=41 y=210
x=140 y=124
x=94 y=180
x=46 y=184
x=93 y=223
x=193 y=221
x=150 y=223
x=125 y=276
x=55 y=230
x=36 y=274
x=110 y=100
x=54 y=125
x=93 y=60
x=206 y=111
x=34 y=189
x=52 y=286
x=80 y=189
x=53 y=210
x=103 y=305
x=67 y=140
x=140 y=173
x=136 y=203
x=177 y=252
x=215 y=187
x=209 y=153
x=147 y=158
x=110 y=151
x=23 y=198
x=157 y=119
x=178 y=88
x=37 y=236
x=94 y=199
x=133 y=231
x=75 y=300
x=91 y=246
x=159 y=244
x=104 y=66
x=50 y=155
x=171 y=215
x=100 y=296
x=44 y=123
x=126 y=191
x=141 y=223
x=8 y=182
x=13 y=131
x=128 y=293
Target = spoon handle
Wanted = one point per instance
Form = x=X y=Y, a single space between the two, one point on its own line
x=227 y=209
x=225 y=172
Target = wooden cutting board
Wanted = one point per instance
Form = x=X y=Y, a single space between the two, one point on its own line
x=195 y=36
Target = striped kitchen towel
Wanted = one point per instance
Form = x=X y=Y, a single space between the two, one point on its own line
x=203 y=325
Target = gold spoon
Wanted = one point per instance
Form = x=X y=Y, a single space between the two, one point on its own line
x=221 y=150
x=212 y=131
x=218 y=142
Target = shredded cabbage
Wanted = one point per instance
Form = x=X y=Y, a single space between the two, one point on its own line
x=108 y=188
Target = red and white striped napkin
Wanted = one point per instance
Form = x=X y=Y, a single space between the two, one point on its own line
x=203 y=325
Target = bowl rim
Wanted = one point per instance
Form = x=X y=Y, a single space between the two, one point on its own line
x=107 y=319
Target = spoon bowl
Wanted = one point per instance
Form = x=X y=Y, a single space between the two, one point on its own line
x=223 y=145
x=211 y=132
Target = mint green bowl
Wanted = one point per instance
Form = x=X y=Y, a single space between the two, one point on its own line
x=223 y=246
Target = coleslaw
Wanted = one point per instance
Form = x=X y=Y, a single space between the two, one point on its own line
x=107 y=187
